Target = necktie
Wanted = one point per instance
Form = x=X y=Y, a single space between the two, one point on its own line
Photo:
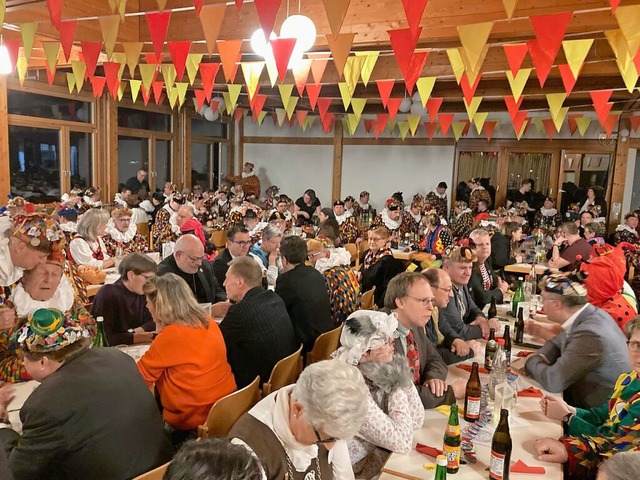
x=413 y=357
x=486 y=278
x=463 y=306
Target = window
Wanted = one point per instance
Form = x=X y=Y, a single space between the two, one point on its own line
x=143 y=120
x=44 y=106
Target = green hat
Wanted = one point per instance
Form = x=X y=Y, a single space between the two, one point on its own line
x=46 y=331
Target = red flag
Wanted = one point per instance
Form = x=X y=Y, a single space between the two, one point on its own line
x=403 y=42
x=198 y=4
x=445 y=120
x=51 y=74
x=414 y=70
x=55 y=12
x=573 y=125
x=550 y=30
x=208 y=72
x=567 y=78
x=414 y=9
x=67 y=32
x=600 y=100
x=469 y=90
x=313 y=91
x=301 y=115
x=467 y=126
x=513 y=106
x=13 y=47
x=433 y=107
x=489 y=127
x=549 y=126
x=610 y=123
x=200 y=98
x=381 y=123
x=432 y=128
x=157 y=90
x=111 y=73
x=158 y=24
x=614 y=4
x=267 y=12
x=239 y=5
x=515 y=55
x=392 y=107
x=97 y=83
x=635 y=123
x=385 y=87
x=323 y=106
x=179 y=52
x=257 y=104
x=238 y=113
x=519 y=119
x=151 y=58
x=90 y=53
x=328 y=121
x=282 y=50
x=541 y=61
x=146 y=95
x=368 y=125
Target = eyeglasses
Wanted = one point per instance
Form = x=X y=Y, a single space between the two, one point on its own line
x=447 y=290
x=373 y=239
x=193 y=258
x=633 y=346
x=147 y=276
x=424 y=301
x=320 y=439
x=242 y=243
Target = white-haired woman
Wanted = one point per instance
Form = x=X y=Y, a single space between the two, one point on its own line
x=299 y=431
x=87 y=247
x=394 y=408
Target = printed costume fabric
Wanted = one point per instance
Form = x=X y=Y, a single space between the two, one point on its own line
x=344 y=292
x=161 y=230
x=137 y=245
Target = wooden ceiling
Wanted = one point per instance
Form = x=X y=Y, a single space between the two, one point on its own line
x=370 y=20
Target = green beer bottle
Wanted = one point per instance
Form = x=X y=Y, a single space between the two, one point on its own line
x=441 y=468
x=100 y=340
x=451 y=447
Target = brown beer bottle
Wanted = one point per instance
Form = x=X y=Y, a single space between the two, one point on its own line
x=507 y=345
x=493 y=310
x=501 y=449
x=520 y=327
x=451 y=447
x=472 y=395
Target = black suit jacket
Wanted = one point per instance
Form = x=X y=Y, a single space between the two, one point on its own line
x=257 y=332
x=221 y=265
x=501 y=251
x=209 y=290
x=379 y=276
x=451 y=322
x=92 y=418
x=481 y=296
x=306 y=297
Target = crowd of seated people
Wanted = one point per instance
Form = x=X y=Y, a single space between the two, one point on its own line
x=213 y=326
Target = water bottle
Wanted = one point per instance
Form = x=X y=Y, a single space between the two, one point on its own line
x=498 y=369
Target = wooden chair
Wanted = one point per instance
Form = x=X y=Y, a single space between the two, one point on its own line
x=352 y=248
x=143 y=229
x=367 y=302
x=284 y=373
x=324 y=346
x=632 y=272
x=219 y=238
x=155 y=474
x=227 y=410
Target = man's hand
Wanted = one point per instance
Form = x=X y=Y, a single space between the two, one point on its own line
x=437 y=386
x=483 y=324
x=459 y=388
x=143 y=337
x=8 y=317
x=502 y=285
x=460 y=347
x=273 y=256
x=550 y=450
x=475 y=347
x=494 y=323
x=220 y=309
x=6 y=395
x=517 y=365
x=555 y=407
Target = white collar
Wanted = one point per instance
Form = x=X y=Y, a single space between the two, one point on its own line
x=338 y=257
x=70 y=227
x=117 y=235
x=548 y=212
x=247 y=175
x=342 y=218
x=9 y=273
x=389 y=223
x=61 y=300
x=466 y=210
x=91 y=203
x=257 y=229
x=624 y=227
x=417 y=217
x=173 y=221
x=566 y=326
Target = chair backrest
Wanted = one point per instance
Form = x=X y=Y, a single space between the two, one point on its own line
x=219 y=238
x=143 y=229
x=367 y=299
x=227 y=410
x=284 y=373
x=324 y=346
x=155 y=474
x=352 y=248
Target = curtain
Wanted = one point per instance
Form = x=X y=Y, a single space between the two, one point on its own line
x=530 y=165
x=477 y=164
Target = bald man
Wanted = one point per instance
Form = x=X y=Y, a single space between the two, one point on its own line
x=189 y=263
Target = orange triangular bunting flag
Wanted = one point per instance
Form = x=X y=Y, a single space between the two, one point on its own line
x=200 y=98
x=157 y=91
x=336 y=11
x=414 y=70
x=445 y=120
x=540 y=60
x=489 y=128
x=97 y=83
x=469 y=90
x=515 y=55
x=109 y=26
x=392 y=107
x=384 y=88
x=132 y=52
x=318 y=66
x=431 y=128
x=230 y=55
x=67 y=32
x=433 y=107
x=600 y=100
x=610 y=123
x=301 y=73
x=158 y=25
x=211 y=17
x=550 y=30
x=179 y=52
x=208 y=72
x=340 y=47
x=512 y=105
x=635 y=123
x=313 y=91
x=549 y=126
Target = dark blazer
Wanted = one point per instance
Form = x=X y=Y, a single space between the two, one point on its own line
x=221 y=265
x=481 y=296
x=431 y=367
x=444 y=349
x=501 y=251
x=451 y=322
x=92 y=418
x=306 y=297
x=585 y=362
x=257 y=332
x=209 y=291
x=379 y=275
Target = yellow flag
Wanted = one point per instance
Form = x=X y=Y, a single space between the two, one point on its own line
x=78 y=68
x=559 y=119
x=392 y=125
x=261 y=116
x=281 y=114
x=358 y=106
x=620 y=48
x=404 y=129
x=472 y=107
x=351 y=122
x=309 y=121
x=628 y=18
x=509 y=7
x=193 y=62
x=132 y=51
x=71 y=82
x=518 y=82
x=458 y=128
x=583 y=123
x=121 y=58
x=479 y=119
x=555 y=101
x=456 y=63
x=251 y=72
x=120 y=91
x=630 y=76
x=172 y=95
x=161 y=4
x=3 y=6
x=109 y=26
x=425 y=87
x=352 y=69
x=22 y=65
x=135 y=89
x=272 y=69
x=345 y=94
x=51 y=50
x=28 y=31
x=369 y=64
x=113 y=4
x=473 y=72
x=473 y=39
x=181 y=87
x=291 y=106
x=234 y=93
x=168 y=73
x=285 y=93
x=576 y=51
x=413 y=121
x=122 y=9
x=525 y=124
x=147 y=71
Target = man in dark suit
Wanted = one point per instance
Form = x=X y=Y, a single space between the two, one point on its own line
x=189 y=263
x=410 y=297
x=304 y=292
x=95 y=418
x=238 y=245
x=257 y=329
x=484 y=284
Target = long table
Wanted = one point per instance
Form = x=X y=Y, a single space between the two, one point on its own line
x=525 y=268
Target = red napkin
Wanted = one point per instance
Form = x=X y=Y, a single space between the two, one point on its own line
x=530 y=392
x=427 y=450
x=523 y=354
x=468 y=368
x=521 y=467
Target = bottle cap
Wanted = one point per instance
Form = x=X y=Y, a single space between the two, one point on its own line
x=99 y=319
x=441 y=461
x=500 y=341
x=520 y=278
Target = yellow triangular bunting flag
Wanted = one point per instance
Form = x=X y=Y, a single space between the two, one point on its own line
x=22 y=65
x=71 y=82
x=369 y=64
x=456 y=63
x=147 y=71
x=132 y=51
x=51 y=50
x=352 y=69
x=28 y=31
x=345 y=93
x=78 y=68
x=628 y=18
x=357 y=104
x=251 y=72
x=425 y=87
x=518 y=82
x=234 y=93
x=281 y=114
x=479 y=119
x=509 y=7
x=109 y=26
x=291 y=106
x=555 y=101
x=285 y=93
x=458 y=128
x=193 y=62
x=559 y=119
x=404 y=129
x=576 y=51
x=472 y=107
x=168 y=73
x=135 y=89
x=583 y=124
x=413 y=121
x=473 y=39
x=181 y=87
x=261 y=116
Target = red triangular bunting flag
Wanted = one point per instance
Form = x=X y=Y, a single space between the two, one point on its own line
x=230 y=55
x=432 y=128
x=208 y=72
x=313 y=91
x=200 y=98
x=368 y=125
x=414 y=70
x=323 y=106
x=540 y=60
x=403 y=42
x=179 y=52
x=157 y=91
x=13 y=47
x=519 y=119
x=51 y=74
x=573 y=125
x=328 y=121
x=635 y=123
x=549 y=126
x=385 y=87
x=198 y=4
x=467 y=126
x=55 y=12
x=414 y=9
x=381 y=123
x=267 y=12
x=433 y=107
x=158 y=24
x=513 y=106
x=515 y=55
x=151 y=58
x=489 y=128
x=392 y=107
x=90 y=53
x=97 y=83
x=282 y=50
x=239 y=5
x=111 y=74
x=600 y=100
x=301 y=115
x=67 y=33
x=469 y=90
x=610 y=123
x=238 y=113
x=146 y=95
x=614 y=4
x=445 y=120
x=257 y=104
x=214 y=106
x=550 y=30
x=567 y=78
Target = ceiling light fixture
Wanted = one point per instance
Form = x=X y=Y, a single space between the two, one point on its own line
x=5 y=60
